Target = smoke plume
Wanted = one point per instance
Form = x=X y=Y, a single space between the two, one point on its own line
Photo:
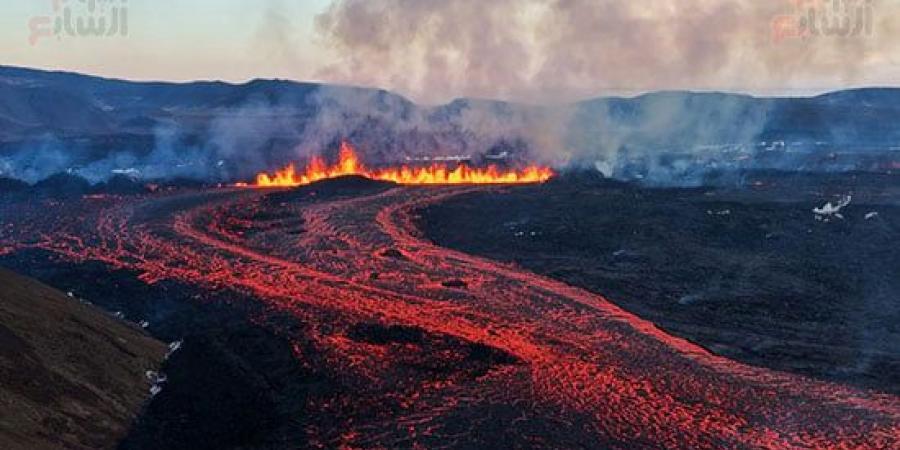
x=548 y=51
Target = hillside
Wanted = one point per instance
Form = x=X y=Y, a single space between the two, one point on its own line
x=53 y=122
x=71 y=376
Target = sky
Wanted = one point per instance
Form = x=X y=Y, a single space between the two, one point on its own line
x=539 y=51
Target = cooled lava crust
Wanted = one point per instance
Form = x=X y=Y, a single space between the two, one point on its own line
x=435 y=348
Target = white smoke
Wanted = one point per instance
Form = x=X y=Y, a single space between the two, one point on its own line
x=563 y=50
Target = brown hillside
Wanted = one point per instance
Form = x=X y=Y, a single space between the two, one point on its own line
x=71 y=376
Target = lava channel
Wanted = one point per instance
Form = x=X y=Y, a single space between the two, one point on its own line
x=440 y=348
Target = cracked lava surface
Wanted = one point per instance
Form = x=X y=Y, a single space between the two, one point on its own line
x=472 y=345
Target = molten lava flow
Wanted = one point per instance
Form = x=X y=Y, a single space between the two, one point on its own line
x=349 y=164
x=360 y=295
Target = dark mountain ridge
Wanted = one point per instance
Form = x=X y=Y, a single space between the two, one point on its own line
x=213 y=130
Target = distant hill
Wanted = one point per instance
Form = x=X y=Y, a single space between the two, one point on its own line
x=71 y=376
x=12 y=185
x=844 y=118
x=212 y=130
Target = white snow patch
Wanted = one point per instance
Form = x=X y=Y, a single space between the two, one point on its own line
x=174 y=347
x=832 y=210
x=157 y=381
x=131 y=171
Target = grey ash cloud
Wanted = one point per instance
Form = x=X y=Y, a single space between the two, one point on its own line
x=564 y=50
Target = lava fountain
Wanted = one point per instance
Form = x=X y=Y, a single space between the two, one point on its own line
x=436 y=174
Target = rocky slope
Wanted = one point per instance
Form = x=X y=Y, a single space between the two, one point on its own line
x=71 y=376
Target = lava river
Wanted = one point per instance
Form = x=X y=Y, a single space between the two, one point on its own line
x=474 y=347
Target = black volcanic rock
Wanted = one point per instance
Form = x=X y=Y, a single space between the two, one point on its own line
x=749 y=273
x=476 y=356
x=231 y=382
x=62 y=185
x=180 y=182
x=12 y=185
x=350 y=185
x=585 y=176
x=120 y=185
x=455 y=283
x=374 y=333
x=392 y=253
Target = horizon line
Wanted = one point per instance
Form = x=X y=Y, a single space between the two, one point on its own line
x=615 y=93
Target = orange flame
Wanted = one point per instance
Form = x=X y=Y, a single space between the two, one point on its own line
x=349 y=164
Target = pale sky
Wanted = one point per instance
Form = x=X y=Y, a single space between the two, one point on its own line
x=434 y=51
x=170 y=40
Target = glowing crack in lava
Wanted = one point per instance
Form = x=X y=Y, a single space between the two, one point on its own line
x=436 y=174
x=502 y=353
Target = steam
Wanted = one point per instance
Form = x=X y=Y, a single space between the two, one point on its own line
x=667 y=138
x=30 y=164
x=564 y=50
x=388 y=128
x=234 y=143
x=49 y=155
x=544 y=57
x=663 y=138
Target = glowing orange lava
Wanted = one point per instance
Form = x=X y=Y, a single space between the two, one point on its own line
x=349 y=164
x=551 y=363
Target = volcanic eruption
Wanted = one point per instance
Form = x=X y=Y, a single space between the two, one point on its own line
x=451 y=345
x=436 y=174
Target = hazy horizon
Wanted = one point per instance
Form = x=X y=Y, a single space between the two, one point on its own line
x=432 y=52
x=620 y=94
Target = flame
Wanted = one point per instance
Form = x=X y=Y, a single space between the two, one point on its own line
x=349 y=164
